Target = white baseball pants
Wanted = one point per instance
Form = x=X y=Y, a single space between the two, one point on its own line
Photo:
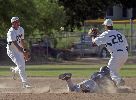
x=18 y=58
x=115 y=63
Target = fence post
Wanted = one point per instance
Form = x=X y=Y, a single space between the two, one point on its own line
x=131 y=33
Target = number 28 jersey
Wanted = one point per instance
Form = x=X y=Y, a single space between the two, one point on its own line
x=15 y=35
x=113 y=40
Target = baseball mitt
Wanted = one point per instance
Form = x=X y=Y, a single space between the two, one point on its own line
x=93 y=32
x=27 y=56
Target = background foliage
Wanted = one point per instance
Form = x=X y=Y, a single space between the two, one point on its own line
x=80 y=10
x=47 y=16
x=43 y=15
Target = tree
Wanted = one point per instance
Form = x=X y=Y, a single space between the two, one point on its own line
x=46 y=16
x=24 y=9
x=80 y=10
x=126 y=3
x=50 y=16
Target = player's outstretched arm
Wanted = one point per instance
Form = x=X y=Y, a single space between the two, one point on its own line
x=17 y=46
x=23 y=43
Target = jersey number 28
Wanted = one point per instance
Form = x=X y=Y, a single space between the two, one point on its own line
x=116 y=38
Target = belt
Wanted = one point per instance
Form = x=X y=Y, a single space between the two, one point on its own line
x=119 y=50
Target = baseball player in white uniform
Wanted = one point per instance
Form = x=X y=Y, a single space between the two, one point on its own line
x=117 y=45
x=16 y=48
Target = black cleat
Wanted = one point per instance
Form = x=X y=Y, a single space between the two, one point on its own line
x=65 y=76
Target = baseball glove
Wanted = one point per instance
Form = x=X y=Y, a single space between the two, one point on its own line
x=27 y=56
x=93 y=32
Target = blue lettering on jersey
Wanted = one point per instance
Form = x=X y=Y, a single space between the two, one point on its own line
x=115 y=39
x=18 y=38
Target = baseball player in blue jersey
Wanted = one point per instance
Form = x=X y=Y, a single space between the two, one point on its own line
x=91 y=85
x=16 y=50
x=117 y=45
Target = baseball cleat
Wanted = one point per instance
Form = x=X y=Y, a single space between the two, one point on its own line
x=14 y=75
x=120 y=83
x=26 y=85
x=65 y=76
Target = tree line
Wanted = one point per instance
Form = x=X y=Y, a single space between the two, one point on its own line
x=36 y=16
x=80 y=10
x=47 y=16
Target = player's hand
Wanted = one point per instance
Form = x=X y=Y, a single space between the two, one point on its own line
x=27 y=55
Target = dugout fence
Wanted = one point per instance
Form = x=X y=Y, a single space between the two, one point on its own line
x=65 y=40
x=42 y=56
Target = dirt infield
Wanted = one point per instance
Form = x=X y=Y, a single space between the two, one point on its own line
x=51 y=88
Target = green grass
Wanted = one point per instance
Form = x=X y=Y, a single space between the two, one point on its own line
x=76 y=70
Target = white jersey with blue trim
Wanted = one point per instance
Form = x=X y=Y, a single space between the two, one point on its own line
x=113 y=40
x=15 y=35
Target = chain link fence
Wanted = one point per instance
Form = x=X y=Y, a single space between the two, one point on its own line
x=45 y=50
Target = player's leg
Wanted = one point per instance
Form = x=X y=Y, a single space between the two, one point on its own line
x=71 y=86
x=18 y=59
x=14 y=70
x=115 y=64
x=22 y=73
x=122 y=61
x=114 y=68
x=89 y=86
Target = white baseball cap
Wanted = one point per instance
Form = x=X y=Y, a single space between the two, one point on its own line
x=13 y=19
x=108 y=22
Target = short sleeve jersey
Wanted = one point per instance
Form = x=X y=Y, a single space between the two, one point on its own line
x=113 y=40
x=15 y=35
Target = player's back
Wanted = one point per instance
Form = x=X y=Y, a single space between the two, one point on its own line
x=116 y=41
